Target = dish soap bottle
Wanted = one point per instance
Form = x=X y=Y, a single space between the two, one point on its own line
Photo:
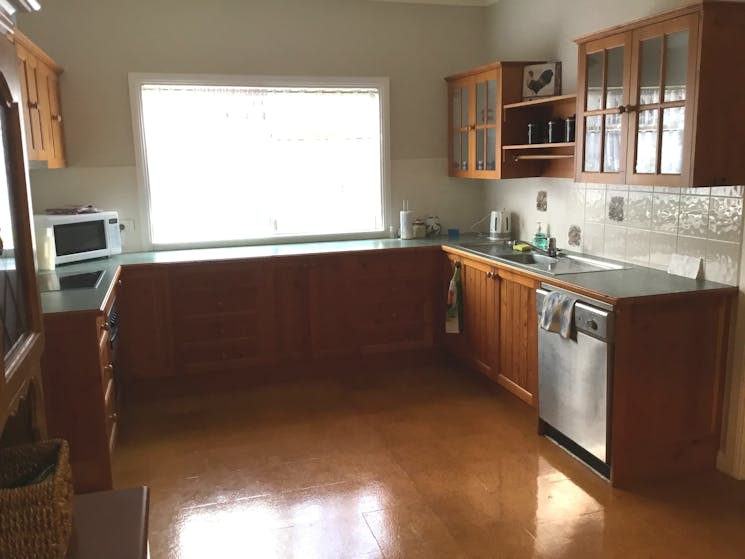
x=539 y=239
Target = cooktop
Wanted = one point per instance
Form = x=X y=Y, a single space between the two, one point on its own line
x=55 y=281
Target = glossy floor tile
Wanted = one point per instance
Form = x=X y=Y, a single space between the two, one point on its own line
x=415 y=462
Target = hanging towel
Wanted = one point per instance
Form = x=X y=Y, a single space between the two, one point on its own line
x=454 y=312
x=557 y=313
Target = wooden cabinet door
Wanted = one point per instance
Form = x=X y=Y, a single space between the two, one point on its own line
x=481 y=315
x=662 y=92
x=602 y=115
x=291 y=309
x=518 y=336
x=53 y=116
x=29 y=76
x=329 y=308
x=146 y=344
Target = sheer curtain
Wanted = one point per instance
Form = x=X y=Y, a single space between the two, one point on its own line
x=235 y=163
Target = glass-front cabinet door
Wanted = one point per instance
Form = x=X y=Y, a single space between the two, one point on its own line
x=486 y=121
x=460 y=94
x=661 y=88
x=603 y=104
x=474 y=125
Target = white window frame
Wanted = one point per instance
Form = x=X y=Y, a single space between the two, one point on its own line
x=137 y=80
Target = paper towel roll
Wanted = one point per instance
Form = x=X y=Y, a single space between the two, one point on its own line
x=407 y=224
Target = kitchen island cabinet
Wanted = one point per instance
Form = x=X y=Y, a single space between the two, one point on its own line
x=651 y=96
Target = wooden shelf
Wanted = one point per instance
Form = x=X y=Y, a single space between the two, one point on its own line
x=541 y=101
x=546 y=156
x=539 y=146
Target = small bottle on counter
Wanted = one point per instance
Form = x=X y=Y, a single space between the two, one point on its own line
x=539 y=239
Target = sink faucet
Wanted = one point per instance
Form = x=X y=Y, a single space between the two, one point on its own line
x=551 y=251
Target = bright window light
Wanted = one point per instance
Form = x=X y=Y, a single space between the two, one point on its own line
x=229 y=163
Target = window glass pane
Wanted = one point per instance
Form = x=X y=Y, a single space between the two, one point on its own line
x=464 y=151
x=649 y=79
x=646 y=142
x=676 y=66
x=481 y=102
x=491 y=101
x=614 y=93
x=234 y=163
x=593 y=125
x=612 y=148
x=480 y=148
x=464 y=107
x=595 y=80
x=456 y=151
x=456 y=108
x=491 y=149
x=13 y=315
x=672 y=140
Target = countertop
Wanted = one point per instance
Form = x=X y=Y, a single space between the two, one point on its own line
x=632 y=283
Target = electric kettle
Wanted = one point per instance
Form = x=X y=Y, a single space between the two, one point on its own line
x=500 y=225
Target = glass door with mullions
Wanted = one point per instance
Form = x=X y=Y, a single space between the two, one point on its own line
x=486 y=124
x=659 y=93
x=460 y=101
x=605 y=68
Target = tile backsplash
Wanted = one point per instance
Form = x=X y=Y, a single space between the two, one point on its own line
x=638 y=224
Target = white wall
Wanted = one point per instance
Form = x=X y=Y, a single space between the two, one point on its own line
x=98 y=42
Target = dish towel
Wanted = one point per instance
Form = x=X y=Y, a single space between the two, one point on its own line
x=557 y=314
x=454 y=312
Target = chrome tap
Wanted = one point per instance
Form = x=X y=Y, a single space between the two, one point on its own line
x=551 y=251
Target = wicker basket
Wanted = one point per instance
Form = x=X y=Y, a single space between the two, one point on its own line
x=35 y=500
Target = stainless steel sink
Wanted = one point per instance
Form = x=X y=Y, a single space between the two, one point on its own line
x=563 y=264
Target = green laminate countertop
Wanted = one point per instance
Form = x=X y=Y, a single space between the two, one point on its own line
x=633 y=282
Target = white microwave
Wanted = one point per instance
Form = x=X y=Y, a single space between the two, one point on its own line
x=82 y=236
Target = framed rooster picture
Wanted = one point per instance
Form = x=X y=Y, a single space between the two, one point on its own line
x=541 y=80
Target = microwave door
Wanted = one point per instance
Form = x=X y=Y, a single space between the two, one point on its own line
x=80 y=240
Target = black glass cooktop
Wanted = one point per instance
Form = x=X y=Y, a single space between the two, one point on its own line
x=54 y=281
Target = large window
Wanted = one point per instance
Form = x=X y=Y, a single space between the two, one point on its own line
x=225 y=160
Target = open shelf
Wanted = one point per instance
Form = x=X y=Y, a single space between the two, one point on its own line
x=540 y=146
x=542 y=101
x=543 y=156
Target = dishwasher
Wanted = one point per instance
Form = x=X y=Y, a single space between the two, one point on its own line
x=575 y=381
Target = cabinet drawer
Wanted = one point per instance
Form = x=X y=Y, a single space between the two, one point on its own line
x=217 y=276
x=249 y=350
x=209 y=301
x=391 y=313
x=218 y=327
x=388 y=266
x=377 y=290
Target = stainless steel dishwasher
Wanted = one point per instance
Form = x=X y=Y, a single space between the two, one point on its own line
x=574 y=381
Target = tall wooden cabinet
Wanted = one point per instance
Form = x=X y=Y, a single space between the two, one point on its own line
x=657 y=100
x=41 y=103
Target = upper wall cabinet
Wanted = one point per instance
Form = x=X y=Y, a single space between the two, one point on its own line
x=39 y=76
x=488 y=126
x=658 y=98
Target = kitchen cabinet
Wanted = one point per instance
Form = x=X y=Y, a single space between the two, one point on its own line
x=518 y=335
x=41 y=103
x=222 y=316
x=481 y=315
x=655 y=101
x=145 y=333
x=538 y=159
x=79 y=368
x=476 y=99
x=330 y=322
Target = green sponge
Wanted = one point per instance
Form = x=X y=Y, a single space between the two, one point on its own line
x=521 y=247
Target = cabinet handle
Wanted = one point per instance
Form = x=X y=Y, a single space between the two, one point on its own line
x=33 y=105
x=58 y=118
x=119 y=283
x=627 y=109
x=472 y=127
x=489 y=275
x=109 y=367
x=113 y=416
x=220 y=305
x=105 y=326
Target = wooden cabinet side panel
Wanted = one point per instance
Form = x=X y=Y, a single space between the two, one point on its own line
x=670 y=359
x=74 y=396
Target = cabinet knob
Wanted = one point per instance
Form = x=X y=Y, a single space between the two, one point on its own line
x=627 y=109
x=119 y=283
x=58 y=118
x=472 y=127
x=109 y=367
x=106 y=326
x=220 y=305
x=33 y=104
x=114 y=417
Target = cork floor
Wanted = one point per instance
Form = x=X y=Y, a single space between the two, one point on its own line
x=421 y=462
